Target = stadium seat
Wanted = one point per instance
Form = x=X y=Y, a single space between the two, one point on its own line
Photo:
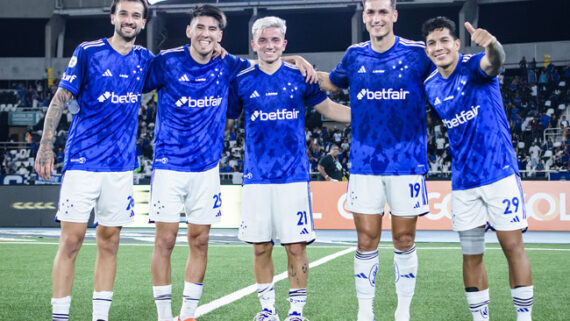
x=547 y=154
x=561 y=107
x=550 y=111
x=521 y=145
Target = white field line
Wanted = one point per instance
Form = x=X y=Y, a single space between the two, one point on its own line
x=232 y=297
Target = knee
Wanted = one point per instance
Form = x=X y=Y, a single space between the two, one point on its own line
x=165 y=242
x=513 y=249
x=108 y=246
x=262 y=250
x=403 y=241
x=200 y=242
x=296 y=250
x=368 y=240
x=70 y=245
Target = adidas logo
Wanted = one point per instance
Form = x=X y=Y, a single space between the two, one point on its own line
x=219 y=214
x=408 y=276
x=107 y=73
x=417 y=205
x=362 y=70
x=515 y=220
x=361 y=276
x=255 y=94
x=184 y=78
x=304 y=231
x=437 y=101
x=522 y=310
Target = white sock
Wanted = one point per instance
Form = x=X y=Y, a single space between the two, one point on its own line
x=163 y=300
x=479 y=304
x=60 y=308
x=191 y=296
x=266 y=295
x=523 y=300
x=298 y=298
x=405 y=272
x=101 y=305
x=365 y=270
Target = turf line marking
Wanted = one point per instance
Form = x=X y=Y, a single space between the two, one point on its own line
x=232 y=297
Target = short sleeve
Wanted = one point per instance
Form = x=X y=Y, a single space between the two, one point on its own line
x=339 y=75
x=156 y=74
x=74 y=74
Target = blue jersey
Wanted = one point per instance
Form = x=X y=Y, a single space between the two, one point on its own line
x=388 y=107
x=274 y=113
x=108 y=86
x=191 y=110
x=470 y=104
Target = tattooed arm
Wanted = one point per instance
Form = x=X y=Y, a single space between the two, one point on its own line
x=45 y=156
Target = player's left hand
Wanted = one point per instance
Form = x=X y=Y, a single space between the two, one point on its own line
x=306 y=70
x=480 y=36
x=219 y=51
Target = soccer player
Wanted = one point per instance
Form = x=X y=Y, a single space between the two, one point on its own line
x=275 y=197
x=388 y=149
x=191 y=115
x=465 y=92
x=106 y=77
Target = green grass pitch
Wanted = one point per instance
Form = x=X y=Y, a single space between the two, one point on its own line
x=25 y=289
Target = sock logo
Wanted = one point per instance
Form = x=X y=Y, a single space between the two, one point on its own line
x=396 y=272
x=372 y=275
x=484 y=312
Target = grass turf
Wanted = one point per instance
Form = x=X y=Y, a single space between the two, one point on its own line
x=25 y=290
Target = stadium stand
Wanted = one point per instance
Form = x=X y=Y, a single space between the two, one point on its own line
x=535 y=90
x=538 y=113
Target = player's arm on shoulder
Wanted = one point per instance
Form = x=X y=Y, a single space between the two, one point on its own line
x=45 y=155
x=219 y=51
x=494 y=57
x=304 y=66
x=334 y=111
x=325 y=82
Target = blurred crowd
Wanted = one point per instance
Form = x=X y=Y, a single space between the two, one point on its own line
x=536 y=101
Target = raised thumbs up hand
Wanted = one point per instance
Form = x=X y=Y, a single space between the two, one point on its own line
x=480 y=36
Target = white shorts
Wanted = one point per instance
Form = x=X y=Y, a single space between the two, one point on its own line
x=109 y=193
x=406 y=194
x=500 y=203
x=270 y=210
x=197 y=192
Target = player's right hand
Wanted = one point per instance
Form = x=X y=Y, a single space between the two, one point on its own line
x=480 y=36
x=44 y=161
